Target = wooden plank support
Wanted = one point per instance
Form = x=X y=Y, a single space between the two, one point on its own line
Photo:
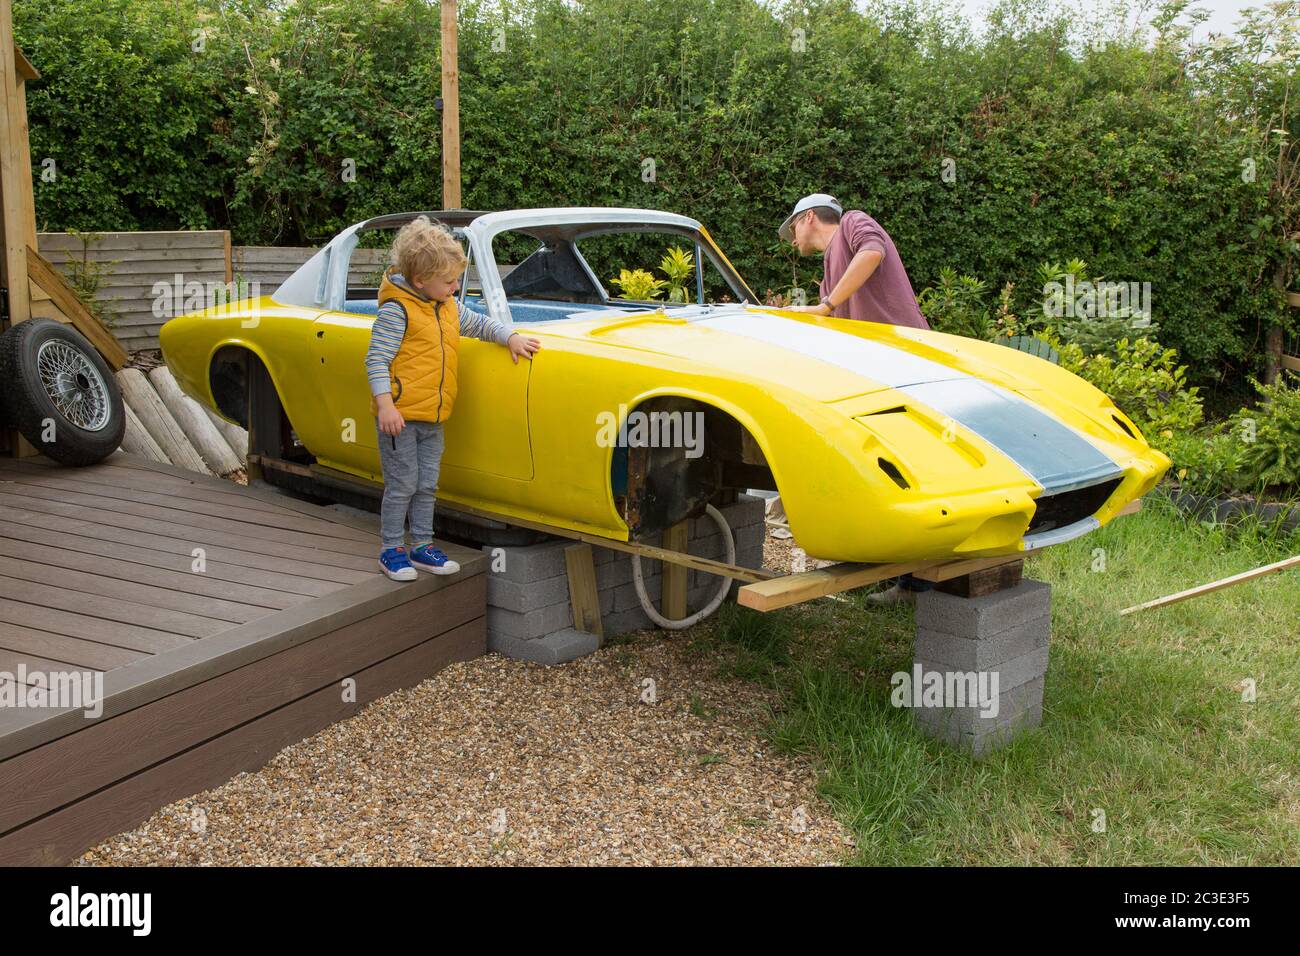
x=672 y=601
x=648 y=551
x=765 y=590
x=961 y=568
x=974 y=584
x=792 y=589
x=44 y=275
x=583 y=596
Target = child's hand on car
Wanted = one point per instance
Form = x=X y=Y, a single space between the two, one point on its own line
x=524 y=345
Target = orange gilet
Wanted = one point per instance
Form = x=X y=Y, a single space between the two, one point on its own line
x=423 y=373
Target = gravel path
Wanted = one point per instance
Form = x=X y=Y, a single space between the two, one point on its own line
x=497 y=761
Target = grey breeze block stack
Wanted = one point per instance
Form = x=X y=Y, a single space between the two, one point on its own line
x=529 y=615
x=1005 y=632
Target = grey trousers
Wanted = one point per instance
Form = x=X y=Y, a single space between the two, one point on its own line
x=410 y=461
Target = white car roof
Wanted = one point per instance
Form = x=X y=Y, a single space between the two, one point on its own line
x=315 y=285
x=493 y=222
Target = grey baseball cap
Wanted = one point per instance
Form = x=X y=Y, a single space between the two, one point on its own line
x=803 y=205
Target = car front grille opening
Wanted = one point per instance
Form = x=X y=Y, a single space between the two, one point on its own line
x=1058 y=511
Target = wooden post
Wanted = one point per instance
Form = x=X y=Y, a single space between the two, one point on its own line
x=450 y=109
x=583 y=595
x=672 y=601
x=17 y=207
x=15 y=181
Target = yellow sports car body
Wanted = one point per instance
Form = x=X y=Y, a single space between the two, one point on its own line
x=885 y=443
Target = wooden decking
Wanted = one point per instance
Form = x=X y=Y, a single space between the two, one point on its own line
x=224 y=620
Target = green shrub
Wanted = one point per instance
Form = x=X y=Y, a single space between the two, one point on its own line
x=1144 y=380
x=678 y=265
x=1269 y=437
x=1205 y=462
x=956 y=305
x=1129 y=157
x=1255 y=451
x=1091 y=312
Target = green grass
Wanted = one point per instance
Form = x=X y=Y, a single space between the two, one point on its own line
x=1143 y=715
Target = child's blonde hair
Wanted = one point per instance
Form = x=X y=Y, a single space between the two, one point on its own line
x=424 y=249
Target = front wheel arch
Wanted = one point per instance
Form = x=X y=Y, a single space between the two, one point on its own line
x=656 y=486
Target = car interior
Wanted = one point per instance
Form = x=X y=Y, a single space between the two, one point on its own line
x=558 y=266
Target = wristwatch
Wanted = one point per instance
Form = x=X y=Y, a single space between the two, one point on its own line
x=826 y=301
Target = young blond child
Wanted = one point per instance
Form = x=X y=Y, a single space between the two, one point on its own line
x=412 y=368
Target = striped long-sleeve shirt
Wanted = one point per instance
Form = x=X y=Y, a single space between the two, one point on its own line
x=390 y=327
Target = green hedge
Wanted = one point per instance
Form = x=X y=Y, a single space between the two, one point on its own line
x=1060 y=150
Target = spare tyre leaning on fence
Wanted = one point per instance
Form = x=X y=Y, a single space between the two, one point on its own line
x=60 y=393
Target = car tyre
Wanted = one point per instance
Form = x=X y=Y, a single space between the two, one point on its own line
x=60 y=393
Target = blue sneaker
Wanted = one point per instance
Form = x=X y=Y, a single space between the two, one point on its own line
x=428 y=558
x=396 y=564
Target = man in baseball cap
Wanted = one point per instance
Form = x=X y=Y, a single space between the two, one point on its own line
x=863 y=276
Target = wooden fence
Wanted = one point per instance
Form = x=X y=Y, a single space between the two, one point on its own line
x=1291 y=349
x=132 y=263
x=271 y=265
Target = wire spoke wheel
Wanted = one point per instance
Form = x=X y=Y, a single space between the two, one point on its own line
x=73 y=384
x=60 y=394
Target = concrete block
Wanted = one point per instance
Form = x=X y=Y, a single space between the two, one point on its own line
x=613 y=573
x=530 y=625
x=533 y=562
x=525 y=596
x=749 y=537
x=620 y=622
x=1021 y=670
x=983 y=616
x=981 y=743
x=558 y=647
x=709 y=546
x=602 y=556
x=1018 y=706
x=625 y=595
x=963 y=653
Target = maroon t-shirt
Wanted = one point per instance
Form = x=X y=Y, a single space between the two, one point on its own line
x=887 y=294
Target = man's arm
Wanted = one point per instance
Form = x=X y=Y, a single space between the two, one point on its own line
x=861 y=266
